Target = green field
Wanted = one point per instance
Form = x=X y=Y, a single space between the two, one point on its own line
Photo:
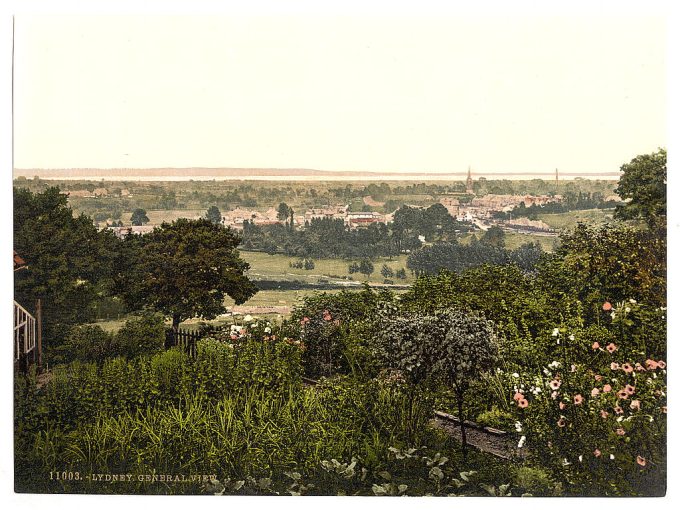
x=276 y=267
x=568 y=220
x=158 y=217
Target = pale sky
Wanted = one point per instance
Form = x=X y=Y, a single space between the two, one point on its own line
x=418 y=94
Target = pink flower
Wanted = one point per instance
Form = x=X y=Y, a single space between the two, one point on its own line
x=518 y=396
x=555 y=384
x=607 y=306
x=561 y=422
x=651 y=364
x=604 y=414
x=597 y=452
x=304 y=320
x=598 y=377
x=573 y=368
x=641 y=460
x=595 y=392
x=627 y=368
x=639 y=367
x=553 y=395
x=662 y=364
x=622 y=394
x=596 y=346
x=664 y=409
x=578 y=399
x=327 y=315
x=618 y=410
x=234 y=337
x=611 y=347
x=562 y=405
x=522 y=403
x=635 y=404
x=620 y=432
x=607 y=388
x=614 y=366
x=629 y=389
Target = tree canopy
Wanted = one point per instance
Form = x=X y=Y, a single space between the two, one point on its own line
x=643 y=184
x=184 y=269
x=139 y=217
x=213 y=215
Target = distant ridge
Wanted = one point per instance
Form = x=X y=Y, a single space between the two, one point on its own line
x=55 y=173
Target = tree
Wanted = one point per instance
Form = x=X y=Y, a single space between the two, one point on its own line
x=214 y=215
x=353 y=268
x=468 y=349
x=139 y=217
x=366 y=267
x=494 y=236
x=643 y=183
x=184 y=269
x=68 y=261
x=283 y=212
x=401 y=273
x=387 y=271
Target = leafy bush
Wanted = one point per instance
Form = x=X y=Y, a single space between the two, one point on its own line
x=144 y=334
x=496 y=418
x=85 y=343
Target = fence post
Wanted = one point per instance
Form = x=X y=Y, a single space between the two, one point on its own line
x=38 y=324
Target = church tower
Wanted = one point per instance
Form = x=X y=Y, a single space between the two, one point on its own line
x=468 y=183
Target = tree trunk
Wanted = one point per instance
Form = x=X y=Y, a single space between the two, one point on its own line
x=176 y=319
x=462 y=425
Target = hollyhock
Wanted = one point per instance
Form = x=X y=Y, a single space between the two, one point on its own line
x=595 y=392
x=627 y=368
x=555 y=384
x=607 y=388
x=523 y=403
x=661 y=364
x=518 y=396
x=651 y=364
x=635 y=404
x=562 y=405
x=561 y=422
x=641 y=460
x=629 y=389
x=604 y=414
x=596 y=346
x=607 y=306
x=578 y=399
x=618 y=410
x=611 y=347
x=597 y=452
x=614 y=366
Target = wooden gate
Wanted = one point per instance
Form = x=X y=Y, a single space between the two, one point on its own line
x=24 y=336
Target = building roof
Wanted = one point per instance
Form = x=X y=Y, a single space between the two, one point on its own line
x=18 y=261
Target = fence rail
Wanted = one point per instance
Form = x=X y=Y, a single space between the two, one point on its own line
x=185 y=340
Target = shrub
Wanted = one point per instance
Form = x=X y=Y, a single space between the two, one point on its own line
x=85 y=343
x=144 y=334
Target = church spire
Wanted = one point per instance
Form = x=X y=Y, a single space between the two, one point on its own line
x=468 y=182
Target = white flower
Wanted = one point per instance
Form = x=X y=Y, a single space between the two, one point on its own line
x=556 y=332
x=248 y=318
x=632 y=301
x=619 y=419
x=515 y=375
x=611 y=456
x=651 y=419
x=571 y=337
x=522 y=440
x=613 y=315
x=518 y=426
x=554 y=364
x=267 y=330
x=566 y=463
x=580 y=458
x=627 y=309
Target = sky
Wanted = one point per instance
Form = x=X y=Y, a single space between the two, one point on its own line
x=372 y=93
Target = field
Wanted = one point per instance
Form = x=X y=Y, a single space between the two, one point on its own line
x=276 y=267
x=592 y=217
x=159 y=216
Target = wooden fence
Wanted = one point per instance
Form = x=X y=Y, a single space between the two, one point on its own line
x=24 y=337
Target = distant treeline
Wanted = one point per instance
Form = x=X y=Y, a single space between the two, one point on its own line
x=577 y=202
x=331 y=238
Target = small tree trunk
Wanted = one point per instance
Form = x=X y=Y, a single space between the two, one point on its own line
x=176 y=319
x=462 y=425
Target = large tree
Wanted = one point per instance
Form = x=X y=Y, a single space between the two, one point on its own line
x=643 y=184
x=67 y=260
x=184 y=269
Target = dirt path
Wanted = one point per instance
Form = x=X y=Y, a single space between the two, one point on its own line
x=501 y=445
